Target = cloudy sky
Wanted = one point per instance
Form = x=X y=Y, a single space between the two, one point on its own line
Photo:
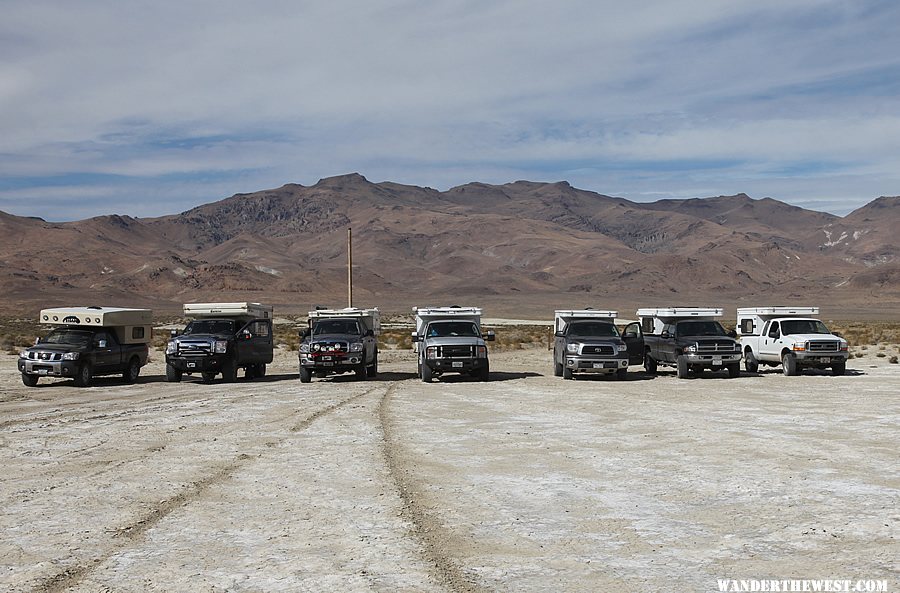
x=150 y=108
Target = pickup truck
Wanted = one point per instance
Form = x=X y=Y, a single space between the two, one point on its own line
x=690 y=343
x=789 y=337
x=210 y=346
x=588 y=341
x=81 y=353
x=450 y=340
x=340 y=341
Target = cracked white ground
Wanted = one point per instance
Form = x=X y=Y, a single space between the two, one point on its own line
x=525 y=483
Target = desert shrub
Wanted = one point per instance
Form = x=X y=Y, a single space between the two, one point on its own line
x=881 y=355
x=892 y=360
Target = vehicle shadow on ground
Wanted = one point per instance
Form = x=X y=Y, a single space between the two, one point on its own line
x=611 y=377
x=806 y=372
x=495 y=376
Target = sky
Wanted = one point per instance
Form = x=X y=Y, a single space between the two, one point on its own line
x=148 y=108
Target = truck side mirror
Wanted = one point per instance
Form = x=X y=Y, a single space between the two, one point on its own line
x=665 y=334
x=245 y=334
x=173 y=333
x=560 y=334
x=303 y=334
x=414 y=337
x=732 y=334
x=101 y=343
x=37 y=341
x=490 y=336
x=369 y=333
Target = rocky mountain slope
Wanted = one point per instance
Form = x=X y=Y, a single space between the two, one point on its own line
x=517 y=248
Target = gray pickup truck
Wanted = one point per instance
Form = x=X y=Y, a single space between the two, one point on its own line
x=588 y=341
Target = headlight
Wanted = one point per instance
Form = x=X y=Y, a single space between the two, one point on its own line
x=623 y=347
x=691 y=348
x=481 y=351
x=70 y=356
x=304 y=348
x=171 y=347
x=799 y=346
x=431 y=352
x=356 y=347
x=23 y=354
x=572 y=348
x=220 y=347
x=844 y=346
x=315 y=347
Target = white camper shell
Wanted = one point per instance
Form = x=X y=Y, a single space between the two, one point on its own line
x=653 y=320
x=132 y=326
x=750 y=320
x=563 y=317
x=371 y=318
x=243 y=311
x=424 y=315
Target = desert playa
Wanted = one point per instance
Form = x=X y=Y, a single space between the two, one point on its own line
x=525 y=483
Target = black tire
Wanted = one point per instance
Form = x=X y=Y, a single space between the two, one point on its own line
x=622 y=374
x=426 y=373
x=173 y=375
x=360 y=370
x=372 y=371
x=208 y=376
x=734 y=370
x=557 y=366
x=229 y=372
x=30 y=380
x=305 y=375
x=484 y=374
x=567 y=373
x=839 y=368
x=750 y=363
x=649 y=364
x=683 y=369
x=131 y=373
x=789 y=365
x=261 y=370
x=84 y=376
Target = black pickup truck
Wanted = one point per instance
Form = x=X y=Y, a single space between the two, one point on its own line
x=81 y=353
x=691 y=345
x=211 y=346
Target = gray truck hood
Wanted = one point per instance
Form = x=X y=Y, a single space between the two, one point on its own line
x=454 y=341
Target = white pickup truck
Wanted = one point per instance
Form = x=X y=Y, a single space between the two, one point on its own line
x=790 y=337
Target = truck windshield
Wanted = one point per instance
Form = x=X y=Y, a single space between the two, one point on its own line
x=593 y=329
x=803 y=326
x=69 y=337
x=336 y=326
x=446 y=329
x=699 y=328
x=219 y=327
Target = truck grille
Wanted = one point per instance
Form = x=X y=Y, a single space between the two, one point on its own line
x=824 y=346
x=49 y=356
x=194 y=348
x=599 y=350
x=715 y=346
x=456 y=351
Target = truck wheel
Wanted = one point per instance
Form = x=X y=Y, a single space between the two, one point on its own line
x=557 y=367
x=360 y=370
x=229 y=372
x=30 y=380
x=131 y=373
x=305 y=375
x=682 y=367
x=750 y=362
x=836 y=369
x=567 y=373
x=734 y=370
x=485 y=373
x=649 y=364
x=173 y=375
x=208 y=376
x=622 y=374
x=261 y=370
x=372 y=371
x=84 y=376
x=789 y=365
x=426 y=373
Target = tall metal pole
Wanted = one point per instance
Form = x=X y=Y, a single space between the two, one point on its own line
x=349 y=267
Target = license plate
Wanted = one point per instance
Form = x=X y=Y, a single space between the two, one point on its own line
x=191 y=365
x=717 y=360
x=825 y=359
x=43 y=372
x=457 y=365
x=599 y=365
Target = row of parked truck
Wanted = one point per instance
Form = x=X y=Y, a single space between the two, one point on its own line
x=223 y=338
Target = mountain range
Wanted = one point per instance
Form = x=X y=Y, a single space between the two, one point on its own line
x=518 y=250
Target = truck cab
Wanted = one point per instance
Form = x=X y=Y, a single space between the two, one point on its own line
x=87 y=342
x=588 y=341
x=691 y=339
x=223 y=338
x=790 y=337
x=450 y=340
x=340 y=341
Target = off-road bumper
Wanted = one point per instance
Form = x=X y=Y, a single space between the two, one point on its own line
x=332 y=364
x=197 y=364
x=45 y=368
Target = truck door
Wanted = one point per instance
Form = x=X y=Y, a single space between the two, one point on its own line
x=262 y=340
x=634 y=339
x=768 y=345
x=107 y=354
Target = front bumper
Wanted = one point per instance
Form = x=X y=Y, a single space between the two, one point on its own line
x=713 y=360
x=333 y=363
x=823 y=359
x=584 y=364
x=196 y=364
x=456 y=365
x=44 y=368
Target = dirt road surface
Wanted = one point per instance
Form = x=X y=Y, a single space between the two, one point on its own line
x=526 y=483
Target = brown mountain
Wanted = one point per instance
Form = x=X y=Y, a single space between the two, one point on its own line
x=520 y=248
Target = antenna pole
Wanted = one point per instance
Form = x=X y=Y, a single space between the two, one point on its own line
x=349 y=267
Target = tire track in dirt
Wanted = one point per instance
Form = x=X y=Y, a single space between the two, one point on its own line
x=427 y=527
x=125 y=536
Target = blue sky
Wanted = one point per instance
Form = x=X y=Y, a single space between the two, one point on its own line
x=151 y=108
